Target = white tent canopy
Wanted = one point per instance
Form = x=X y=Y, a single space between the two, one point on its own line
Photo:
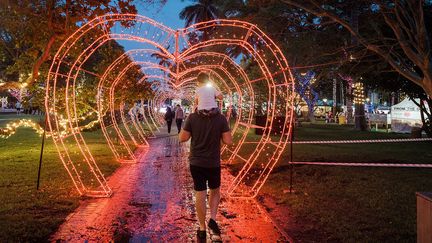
x=405 y=116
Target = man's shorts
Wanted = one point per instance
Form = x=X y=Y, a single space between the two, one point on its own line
x=202 y=175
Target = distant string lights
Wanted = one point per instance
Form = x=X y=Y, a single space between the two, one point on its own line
x=11 y=127
x=359 y=94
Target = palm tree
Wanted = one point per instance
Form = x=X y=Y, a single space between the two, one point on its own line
x=163 y=60
x=202 y=11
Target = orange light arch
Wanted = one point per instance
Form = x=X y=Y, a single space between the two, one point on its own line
x=259 y=86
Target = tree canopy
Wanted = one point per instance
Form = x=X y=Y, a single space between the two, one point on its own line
x=32 y=31
x=403 y=42
x=35 y=29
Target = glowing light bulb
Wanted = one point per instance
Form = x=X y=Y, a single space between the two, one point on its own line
x=209 y=84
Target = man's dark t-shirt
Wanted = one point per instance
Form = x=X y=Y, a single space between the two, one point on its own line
x=206 y=133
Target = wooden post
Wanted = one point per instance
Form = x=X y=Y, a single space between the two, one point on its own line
x=41 y=152
x=291 y=155
x=424 y=217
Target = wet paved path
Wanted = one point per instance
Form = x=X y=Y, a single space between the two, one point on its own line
x=153 y=202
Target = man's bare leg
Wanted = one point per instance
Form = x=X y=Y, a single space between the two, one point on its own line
x=200 y=205
x=214 y=200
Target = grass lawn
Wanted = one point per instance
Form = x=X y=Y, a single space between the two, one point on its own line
x=25 y=213
x=351 y=204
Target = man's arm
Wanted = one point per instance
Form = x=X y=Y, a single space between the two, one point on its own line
x=184 y=136
x=227 y=138
x=186 y=131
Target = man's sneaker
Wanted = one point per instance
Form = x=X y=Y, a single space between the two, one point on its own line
x=214 y=227
x=201 y=236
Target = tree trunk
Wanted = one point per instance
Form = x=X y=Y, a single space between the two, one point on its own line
x=354 y=41
x=43 y=58
x=311 y=114
x=349 y=103
x=360 y=118
x=334 y=99
x=427 y=85
x=342 y=96
x=426 y=120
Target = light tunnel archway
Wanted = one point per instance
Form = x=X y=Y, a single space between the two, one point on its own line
x=165 y=66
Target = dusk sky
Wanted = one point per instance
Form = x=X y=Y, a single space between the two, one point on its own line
x=167 y=15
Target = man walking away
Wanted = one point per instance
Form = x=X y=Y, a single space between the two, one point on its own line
x=18 y=107
x=207 y=130
x=169 y=115
x=179 y=116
